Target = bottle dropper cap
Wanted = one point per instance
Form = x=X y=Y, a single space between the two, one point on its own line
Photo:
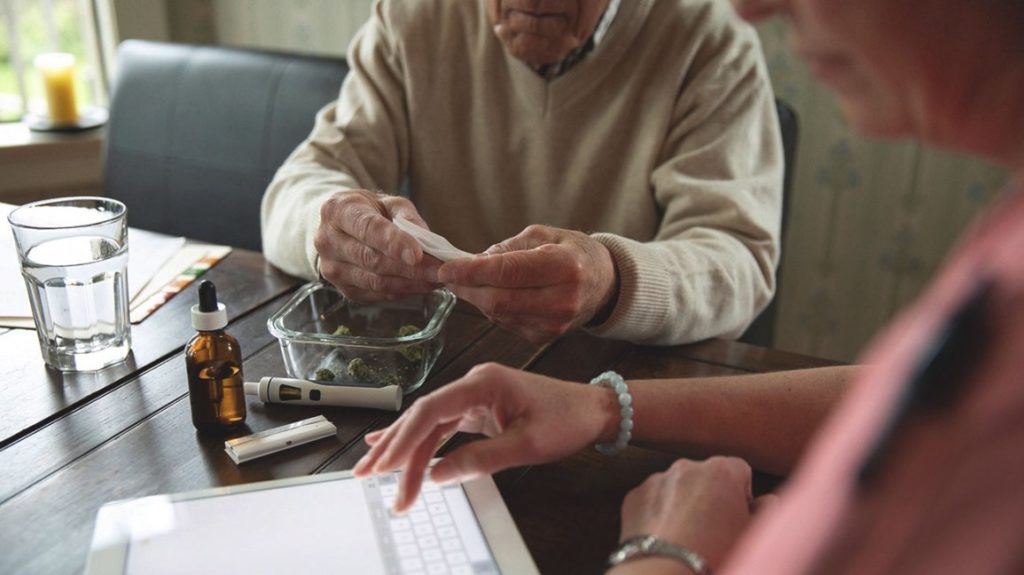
x=209 y=314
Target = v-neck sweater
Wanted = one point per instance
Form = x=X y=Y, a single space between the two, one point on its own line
x=663 y=143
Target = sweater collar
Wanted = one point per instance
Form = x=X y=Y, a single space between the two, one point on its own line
x=586 y=75
x=552 y=71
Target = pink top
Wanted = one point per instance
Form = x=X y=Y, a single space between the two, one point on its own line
x=950 y=494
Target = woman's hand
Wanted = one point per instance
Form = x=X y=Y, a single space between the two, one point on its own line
x=702 y=506
x=528 y=419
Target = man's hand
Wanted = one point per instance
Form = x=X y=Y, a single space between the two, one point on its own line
x=364 y=254
x=540 y=284
x=702 y=506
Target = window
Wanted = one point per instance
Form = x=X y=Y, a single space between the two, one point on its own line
x=32 y=27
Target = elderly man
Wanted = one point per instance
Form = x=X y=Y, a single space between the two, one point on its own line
x=618 y=164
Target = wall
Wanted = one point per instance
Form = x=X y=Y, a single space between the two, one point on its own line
x=141 y=19
x=192 y=21
x=322 y=27
x=185 y=21
x=869 y=221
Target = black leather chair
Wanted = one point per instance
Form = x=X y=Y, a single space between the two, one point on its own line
x=197 y=132
x=762 y=330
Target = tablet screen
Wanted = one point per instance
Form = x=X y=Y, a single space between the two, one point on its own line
x=343 y=525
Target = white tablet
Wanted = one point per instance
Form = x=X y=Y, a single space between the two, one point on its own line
x=330 y=523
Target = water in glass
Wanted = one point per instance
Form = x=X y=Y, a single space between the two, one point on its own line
x=79 y=295
x=74 y=260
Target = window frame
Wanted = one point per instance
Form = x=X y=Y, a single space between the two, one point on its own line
x=98 y=33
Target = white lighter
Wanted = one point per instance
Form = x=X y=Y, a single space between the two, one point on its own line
x=304 y=392
x=277 y=439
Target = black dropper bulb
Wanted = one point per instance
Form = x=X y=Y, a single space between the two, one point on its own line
x=207 y=296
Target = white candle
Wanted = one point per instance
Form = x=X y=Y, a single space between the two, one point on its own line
x=58 y=72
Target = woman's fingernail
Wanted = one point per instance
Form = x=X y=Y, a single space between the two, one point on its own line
x=408 y=256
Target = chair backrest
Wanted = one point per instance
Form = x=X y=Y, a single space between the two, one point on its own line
x=197 y=132
x=762 y=330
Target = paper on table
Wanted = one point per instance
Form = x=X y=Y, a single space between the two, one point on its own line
x=181 y=270
x=431 y=243
x=147 y=253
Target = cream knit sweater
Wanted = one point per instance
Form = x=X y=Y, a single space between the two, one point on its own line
x=663 y=143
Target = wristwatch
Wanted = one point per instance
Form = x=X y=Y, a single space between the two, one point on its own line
x=650 y=546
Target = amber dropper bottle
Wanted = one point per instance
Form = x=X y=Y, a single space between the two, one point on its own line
x=213 y=360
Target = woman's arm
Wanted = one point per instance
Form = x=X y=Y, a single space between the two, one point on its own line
x=529 y=418
x=764 y=418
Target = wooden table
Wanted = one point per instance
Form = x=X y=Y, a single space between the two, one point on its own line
x=69 y=443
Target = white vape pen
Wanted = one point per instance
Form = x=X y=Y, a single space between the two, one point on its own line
x=304 y=392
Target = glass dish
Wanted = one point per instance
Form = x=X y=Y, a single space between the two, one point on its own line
x=330 y=339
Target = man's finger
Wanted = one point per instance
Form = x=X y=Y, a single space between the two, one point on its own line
x=528 y=239
x=546 y=304
x=348 y=275
x=546 y=265
x=369 y=226
x=363 y=256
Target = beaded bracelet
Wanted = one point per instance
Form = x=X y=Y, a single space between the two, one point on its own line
x=618 y=385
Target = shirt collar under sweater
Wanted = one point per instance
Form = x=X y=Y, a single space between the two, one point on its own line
x=552 y=71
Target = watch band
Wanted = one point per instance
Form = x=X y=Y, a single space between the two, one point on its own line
x=650 y=546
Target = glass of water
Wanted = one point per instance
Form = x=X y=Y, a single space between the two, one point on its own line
x=74 y=258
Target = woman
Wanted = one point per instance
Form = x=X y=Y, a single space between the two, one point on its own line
x=918 y=468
